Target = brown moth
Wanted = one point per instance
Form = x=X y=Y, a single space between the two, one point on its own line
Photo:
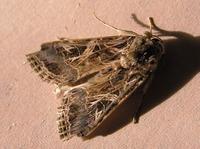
x=95 y=75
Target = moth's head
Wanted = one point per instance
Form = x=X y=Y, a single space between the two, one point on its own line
x=145 y=50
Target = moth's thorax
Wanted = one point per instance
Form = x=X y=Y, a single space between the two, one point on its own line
x=144 y=50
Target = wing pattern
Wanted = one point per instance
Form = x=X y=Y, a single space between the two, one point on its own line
x=95 y=76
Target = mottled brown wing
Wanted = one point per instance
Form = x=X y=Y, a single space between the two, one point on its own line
x=95 y=76
x=68 y=61
x=84 y=107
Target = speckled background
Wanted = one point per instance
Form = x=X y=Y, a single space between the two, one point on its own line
x=171 y=112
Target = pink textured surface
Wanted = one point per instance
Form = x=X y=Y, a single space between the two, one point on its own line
x=171 y=113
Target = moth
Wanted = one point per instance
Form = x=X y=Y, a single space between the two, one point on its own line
x=95 y=75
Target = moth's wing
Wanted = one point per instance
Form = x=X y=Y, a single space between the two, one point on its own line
x=85 y=107
x=69 y=60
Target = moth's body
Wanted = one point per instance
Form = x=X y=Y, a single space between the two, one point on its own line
x=95 y=75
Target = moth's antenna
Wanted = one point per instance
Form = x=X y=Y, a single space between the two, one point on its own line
x=120 y=31
x=150 y=24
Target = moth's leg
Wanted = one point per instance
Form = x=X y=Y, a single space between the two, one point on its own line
x=120 y=31
x=134 y=17
x=139 y=105
x=155 y=27
x=160 y=32
x=151 y=23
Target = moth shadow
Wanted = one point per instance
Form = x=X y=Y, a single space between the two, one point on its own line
x=180 y=64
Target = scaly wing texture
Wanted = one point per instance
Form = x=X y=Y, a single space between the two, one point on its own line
x=86 y=106
x=93 y=77
x=68 y=61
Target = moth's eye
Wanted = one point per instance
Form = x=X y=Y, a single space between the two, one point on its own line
x=152 y=62
x=158 y=43
x=155 y=40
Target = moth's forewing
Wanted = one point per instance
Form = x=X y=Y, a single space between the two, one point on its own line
x=66 y=61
